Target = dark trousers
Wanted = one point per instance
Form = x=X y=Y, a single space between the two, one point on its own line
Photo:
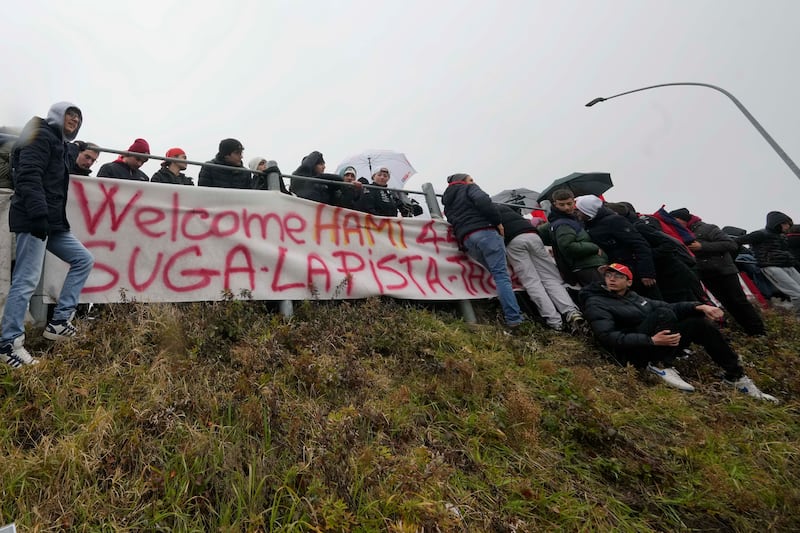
x=586 y=276
x=693 y=330
x=728 y=291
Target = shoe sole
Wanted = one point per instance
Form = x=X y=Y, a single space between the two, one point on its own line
x=56 y=337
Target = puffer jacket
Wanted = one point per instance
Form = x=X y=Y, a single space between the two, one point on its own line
x=379 y=202
x=220 y=177
x=770 y=246
x=614 y=319
x=468 y=209
x=314 y=190
x=572 y=246
x=622 y=242
x=41 y=173
x=514 y=224
x=119 y=170
x=715 y=257
x=165 y=175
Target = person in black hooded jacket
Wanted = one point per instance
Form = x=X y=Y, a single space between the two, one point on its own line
x=771 y=248
x=313 y=166
x=38 y=216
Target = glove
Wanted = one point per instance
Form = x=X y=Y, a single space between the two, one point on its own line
x=40 y=228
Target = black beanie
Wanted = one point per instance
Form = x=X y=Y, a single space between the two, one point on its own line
x=456 y=177
x=682 y=214
x=228 y=146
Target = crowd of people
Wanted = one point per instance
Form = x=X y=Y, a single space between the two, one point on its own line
x=646 y=285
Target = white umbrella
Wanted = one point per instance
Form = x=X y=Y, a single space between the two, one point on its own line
x=369 y=161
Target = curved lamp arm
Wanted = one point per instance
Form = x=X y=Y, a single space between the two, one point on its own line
x=775 y=146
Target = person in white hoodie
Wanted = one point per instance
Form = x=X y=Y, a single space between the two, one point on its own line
x=38 y=216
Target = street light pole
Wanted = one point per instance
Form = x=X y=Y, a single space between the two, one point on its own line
x=775 y=146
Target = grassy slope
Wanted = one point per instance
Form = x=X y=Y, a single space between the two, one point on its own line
x=377 y=416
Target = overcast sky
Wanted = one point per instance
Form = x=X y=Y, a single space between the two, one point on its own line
x=493 y=89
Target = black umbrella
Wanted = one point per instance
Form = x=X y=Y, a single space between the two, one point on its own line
x=522 y=197
x=580 y=183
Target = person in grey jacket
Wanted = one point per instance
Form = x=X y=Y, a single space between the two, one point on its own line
x=713 y=251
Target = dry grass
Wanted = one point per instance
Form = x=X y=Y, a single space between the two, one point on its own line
x=383 y=416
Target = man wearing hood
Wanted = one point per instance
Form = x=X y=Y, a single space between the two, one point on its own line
x=313 y=166
x=38 y=216
x=774 y=257
x=649 y=333
x=479 y=230
x=229 y=154
x=128 y=167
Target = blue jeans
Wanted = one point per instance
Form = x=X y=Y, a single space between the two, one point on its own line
x=487 y=248
x=28 y=271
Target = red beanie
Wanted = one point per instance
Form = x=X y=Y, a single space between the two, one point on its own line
x=175 y=152
x=140 y=146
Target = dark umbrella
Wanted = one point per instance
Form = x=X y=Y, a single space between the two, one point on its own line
x=522 y=197
x=580 y=183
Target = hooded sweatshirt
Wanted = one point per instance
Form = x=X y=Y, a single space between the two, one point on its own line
x=770 y=246
x=312 y=190
x=41 y=171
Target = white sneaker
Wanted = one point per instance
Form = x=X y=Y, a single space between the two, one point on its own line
x=671 y=378
x=15 y=355
x=745 y=385
x=59 y=331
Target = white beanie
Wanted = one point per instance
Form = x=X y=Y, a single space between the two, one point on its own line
x=588 y=205
x=253 y=164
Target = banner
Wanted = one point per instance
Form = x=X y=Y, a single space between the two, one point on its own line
x=156 y=242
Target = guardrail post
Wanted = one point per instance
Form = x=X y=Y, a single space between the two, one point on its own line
x=465 y=306
x=274 y=184
x=6 y=246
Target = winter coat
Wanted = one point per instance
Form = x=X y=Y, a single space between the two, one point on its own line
x=119 y=170
x=378 y=201
x=715 y=257
x=165 y=175
x=313 y=190
x=573 y=248
x=220 y=177
x=41 y=173
x=514 y=224
x=468 y=209
x=622 y=242
x=770 y=246
x=614 y=319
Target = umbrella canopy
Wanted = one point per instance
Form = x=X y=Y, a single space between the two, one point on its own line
x=522 y=197
x=580 y=183
x=369 y=161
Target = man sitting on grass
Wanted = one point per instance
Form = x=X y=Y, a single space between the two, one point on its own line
x=648 y=333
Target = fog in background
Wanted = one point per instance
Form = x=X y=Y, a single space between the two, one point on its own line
x=493 y=89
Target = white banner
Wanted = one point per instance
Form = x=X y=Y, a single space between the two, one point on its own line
x=157 y=242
